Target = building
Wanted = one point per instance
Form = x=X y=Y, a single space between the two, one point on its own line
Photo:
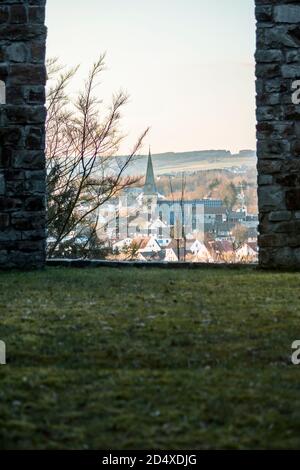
x=174 y=225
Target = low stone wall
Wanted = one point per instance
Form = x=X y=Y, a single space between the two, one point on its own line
x=22 y=134
x=278 y=131
x=86 y=263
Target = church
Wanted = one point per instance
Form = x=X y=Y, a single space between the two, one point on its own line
x=144 y=212
x=164 y=217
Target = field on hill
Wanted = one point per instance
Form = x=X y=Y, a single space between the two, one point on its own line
x=189 y=161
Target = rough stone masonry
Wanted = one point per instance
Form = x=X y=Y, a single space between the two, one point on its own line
x=278 y=132
x=22 y=133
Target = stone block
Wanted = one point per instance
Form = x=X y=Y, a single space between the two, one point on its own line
x=287 y=14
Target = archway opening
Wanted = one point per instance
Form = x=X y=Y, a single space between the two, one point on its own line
x=188 y=203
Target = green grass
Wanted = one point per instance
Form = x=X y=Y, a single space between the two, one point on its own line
x=135 y=359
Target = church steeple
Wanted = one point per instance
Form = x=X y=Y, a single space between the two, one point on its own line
x=150 y=186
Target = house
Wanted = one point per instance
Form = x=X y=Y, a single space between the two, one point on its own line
x=236 y=217
x=171 y=255
x=222 y=250
x=122 y=244
x=139 y=225
x=163 y=242
x=220 y=230
x=248 y=251
x=158 y=229
x=153 y=256
x=147 y=244
x=213 y=215
x=201 y=252
x=251 y=221
x=194 y=246
x=177 y=252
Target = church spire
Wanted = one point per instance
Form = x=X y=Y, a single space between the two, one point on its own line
x=150 y=186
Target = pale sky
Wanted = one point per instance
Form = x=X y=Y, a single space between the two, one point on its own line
x=188 y=66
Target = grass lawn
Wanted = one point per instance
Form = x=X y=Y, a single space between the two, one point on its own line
x=134 y=359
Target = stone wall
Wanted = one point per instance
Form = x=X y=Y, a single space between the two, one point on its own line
x=278 y=131
x=22 y=134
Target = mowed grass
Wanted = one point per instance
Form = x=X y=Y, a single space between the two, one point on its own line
x=146 y=358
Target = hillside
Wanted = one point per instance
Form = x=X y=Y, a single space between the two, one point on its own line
x=172 y=162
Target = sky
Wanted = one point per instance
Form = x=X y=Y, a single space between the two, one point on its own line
x=188 y=66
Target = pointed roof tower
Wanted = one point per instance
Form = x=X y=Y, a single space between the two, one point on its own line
x=150 y=186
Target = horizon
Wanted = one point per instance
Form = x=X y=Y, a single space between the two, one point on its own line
x=145 y=153
x=188 y=67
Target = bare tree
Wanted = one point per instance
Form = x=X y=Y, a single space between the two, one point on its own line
x=82 y=139
x=240 y=236
x=182 y=206
x=131 y=252
x=179 y=223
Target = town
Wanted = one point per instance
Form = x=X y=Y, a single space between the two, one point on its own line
x=144 y=225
